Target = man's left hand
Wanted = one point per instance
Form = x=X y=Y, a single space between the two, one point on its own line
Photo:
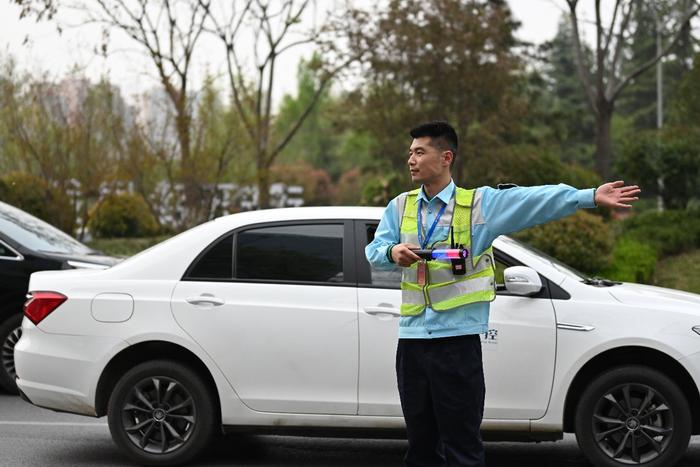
x=616 y=194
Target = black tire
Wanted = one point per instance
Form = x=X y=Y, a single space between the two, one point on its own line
x=10 y=332
x=163 y=423
x=633 y=415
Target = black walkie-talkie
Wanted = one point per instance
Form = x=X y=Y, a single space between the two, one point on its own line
x=459 y=265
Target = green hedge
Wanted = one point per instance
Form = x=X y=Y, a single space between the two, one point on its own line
x=125 y=247
x=122 y=215
x=582 y=241
x=632 y=261
x=670 y=232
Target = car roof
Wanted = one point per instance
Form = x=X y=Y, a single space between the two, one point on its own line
x=304 y=213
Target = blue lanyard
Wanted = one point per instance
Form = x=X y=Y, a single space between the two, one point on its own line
x=423 y=244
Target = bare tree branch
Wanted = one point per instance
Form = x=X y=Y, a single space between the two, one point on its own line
x=645 y=66
x=583 y=71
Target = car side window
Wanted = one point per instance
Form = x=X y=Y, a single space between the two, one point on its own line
x=6 y=252
x=298 y=253
x=500 y=281
x=216 y=262
x=384 y=279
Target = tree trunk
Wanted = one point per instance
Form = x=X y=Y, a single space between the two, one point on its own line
x=263 y=187
x=603 y=150
x=188 y=175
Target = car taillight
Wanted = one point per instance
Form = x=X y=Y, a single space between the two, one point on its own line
x=41 y=304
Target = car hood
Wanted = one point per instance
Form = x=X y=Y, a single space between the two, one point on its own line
x=647 y=295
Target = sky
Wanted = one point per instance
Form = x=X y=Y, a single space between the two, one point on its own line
x=38 y=46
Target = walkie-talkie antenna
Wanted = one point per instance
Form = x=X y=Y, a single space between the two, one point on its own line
x=452 y=236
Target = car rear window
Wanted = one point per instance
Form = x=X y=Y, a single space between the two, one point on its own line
x=298 y=253
x=35 y=234
x=216 y=262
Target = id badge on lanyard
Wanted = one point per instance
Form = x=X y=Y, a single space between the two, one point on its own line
x=422 y=267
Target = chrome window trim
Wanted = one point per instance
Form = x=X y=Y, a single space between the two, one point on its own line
x=19 y=256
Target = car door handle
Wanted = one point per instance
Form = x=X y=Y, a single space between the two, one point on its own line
x=206 y=299
x=381 y=310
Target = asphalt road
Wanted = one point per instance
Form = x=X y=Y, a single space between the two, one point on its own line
x=30 y=436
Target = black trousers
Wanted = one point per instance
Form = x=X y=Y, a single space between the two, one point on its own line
x=441 y=384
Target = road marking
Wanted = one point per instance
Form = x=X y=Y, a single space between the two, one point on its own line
x=51 y=423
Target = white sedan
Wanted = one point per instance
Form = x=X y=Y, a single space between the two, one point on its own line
x=274 y=321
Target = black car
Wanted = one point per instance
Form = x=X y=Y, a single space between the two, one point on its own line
x=27 y=245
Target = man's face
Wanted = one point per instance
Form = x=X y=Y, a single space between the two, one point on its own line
x=426 y=162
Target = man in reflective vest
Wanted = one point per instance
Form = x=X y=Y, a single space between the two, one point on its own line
x=445 y=306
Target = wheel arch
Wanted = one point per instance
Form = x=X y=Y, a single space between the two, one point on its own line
x=632 y=355
x=143 y=352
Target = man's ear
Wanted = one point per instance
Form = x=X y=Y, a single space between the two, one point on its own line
x=448 y=157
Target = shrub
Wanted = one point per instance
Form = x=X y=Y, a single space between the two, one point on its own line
x=668 y=232
x=317 y=183
x=633 y=261
x=123 y=215
x=582 y=241
x=33 y=195
x=378 y=190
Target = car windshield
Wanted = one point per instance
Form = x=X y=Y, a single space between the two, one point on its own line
x=35 y=234
x=558 y=265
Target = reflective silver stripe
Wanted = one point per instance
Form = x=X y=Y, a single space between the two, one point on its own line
x=409 y=274
x=446 y=219
x=400 y=206
x=438 y=276
x=412 y=297
x=480 y=284
x=477 y=214
x=435 y=276
x=409 y=238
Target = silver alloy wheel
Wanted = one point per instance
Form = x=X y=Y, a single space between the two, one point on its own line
x=633 y=424
x=8 y=352
x=159 y=415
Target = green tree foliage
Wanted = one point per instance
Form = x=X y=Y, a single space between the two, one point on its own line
x=439 y=59
x=568 y=114
x=685 y=109
x=605 y=78
x=62 y=131
x=583 y=241
x=122 y=215
x=32 y=194
x=671 y=154
x=314 y=140
x=639 y=102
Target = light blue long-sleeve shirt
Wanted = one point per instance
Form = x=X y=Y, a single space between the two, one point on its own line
x=502 y=211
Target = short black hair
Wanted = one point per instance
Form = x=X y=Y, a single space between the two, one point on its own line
x=441 y=133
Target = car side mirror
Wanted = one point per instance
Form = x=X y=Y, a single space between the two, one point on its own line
x=522 y=280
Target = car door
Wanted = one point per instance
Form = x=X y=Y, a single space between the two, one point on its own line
x=282 y=322
x=379 y=303
x=13 y=277
x=518 y=349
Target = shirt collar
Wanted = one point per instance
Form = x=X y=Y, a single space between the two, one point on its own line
x=445 y=195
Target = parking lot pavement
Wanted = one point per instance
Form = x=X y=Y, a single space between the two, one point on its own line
x=30 y=436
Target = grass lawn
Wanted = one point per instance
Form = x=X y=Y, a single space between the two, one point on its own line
x=680 y=272
x=125 y=247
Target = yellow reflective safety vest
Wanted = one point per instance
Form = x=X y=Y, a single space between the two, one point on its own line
x=443 y=290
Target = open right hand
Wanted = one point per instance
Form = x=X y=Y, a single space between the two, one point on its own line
x=402 y=254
